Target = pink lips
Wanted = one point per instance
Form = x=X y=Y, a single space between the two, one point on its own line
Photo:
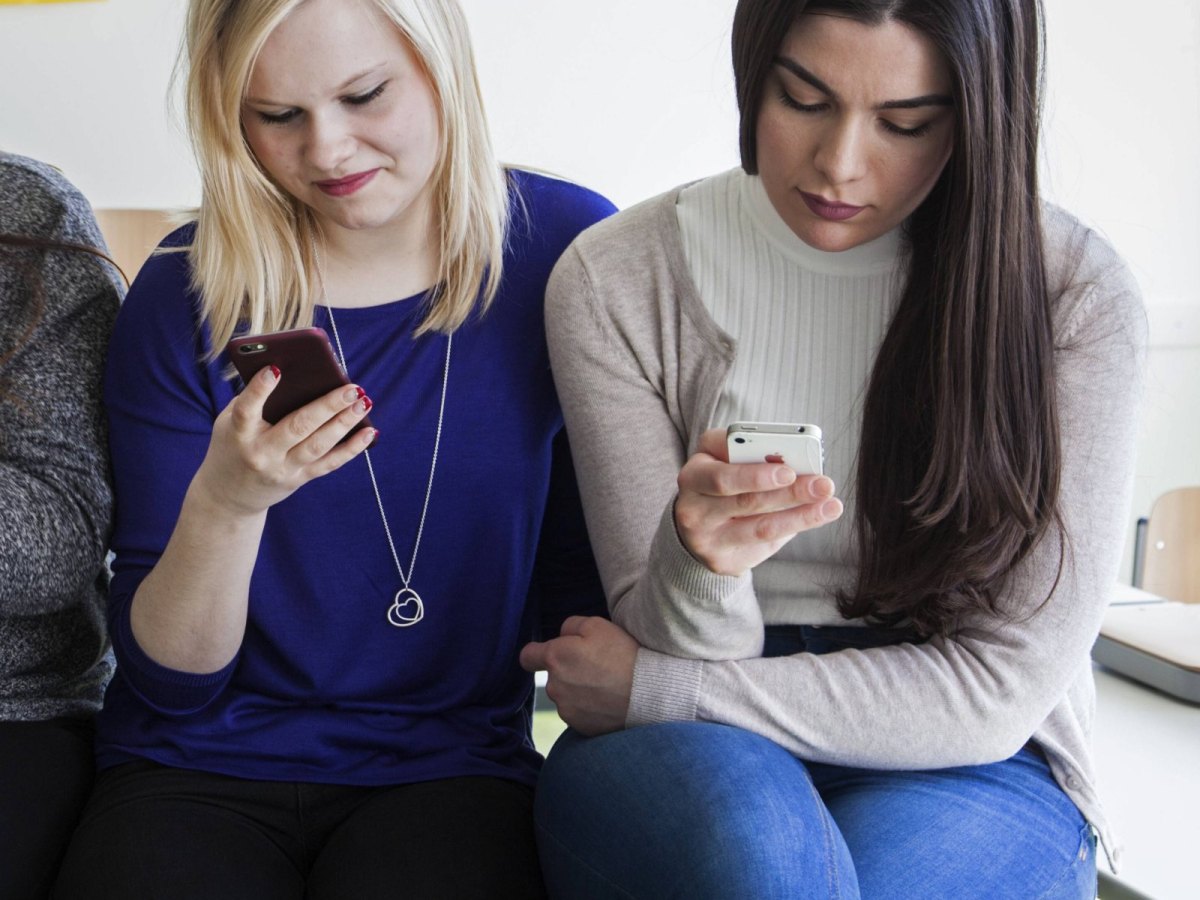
x=829 y=209
x=344 y=187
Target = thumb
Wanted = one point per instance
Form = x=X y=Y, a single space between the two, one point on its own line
x=248 y=405
x=533 y=656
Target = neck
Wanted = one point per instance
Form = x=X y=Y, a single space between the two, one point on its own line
x=367 y=267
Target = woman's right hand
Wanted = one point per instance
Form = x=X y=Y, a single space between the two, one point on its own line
x=252 y=465
x=731 y=517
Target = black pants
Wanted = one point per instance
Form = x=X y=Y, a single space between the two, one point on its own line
x=45 y=775
x=152 y=832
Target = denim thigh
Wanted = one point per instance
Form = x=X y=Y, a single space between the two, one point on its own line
x=1003 y=829
x=691 y=810
x=704 y=810
x=1000 y=830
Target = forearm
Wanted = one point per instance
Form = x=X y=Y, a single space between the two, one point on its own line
x=980 y=693
x=679 y=607
x=189 y=613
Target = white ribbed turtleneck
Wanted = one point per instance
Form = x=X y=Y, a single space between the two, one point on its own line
x=807 y=325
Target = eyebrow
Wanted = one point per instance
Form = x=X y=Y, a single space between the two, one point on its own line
x=341 y=87
x=910 y=103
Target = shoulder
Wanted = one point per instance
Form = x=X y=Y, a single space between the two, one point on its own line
x=1091 y=287
x=30 y=188
x=639 y=229
x=627 y=252
x=161 y=298
x=37 y=200
x=625 y=276
x=551 y=208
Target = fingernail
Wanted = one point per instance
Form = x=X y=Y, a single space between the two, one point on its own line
x=831 y=509
x=365 y=404
x=352 y=393
x=361 y=392
x=784 y=476
x=373 y=436
x=275 y=372
x=821 y=487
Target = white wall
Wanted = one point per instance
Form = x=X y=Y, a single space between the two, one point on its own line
x=633 y=96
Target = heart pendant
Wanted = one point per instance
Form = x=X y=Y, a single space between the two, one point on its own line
x=406 y=609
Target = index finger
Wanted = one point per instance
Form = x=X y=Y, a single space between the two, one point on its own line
x=702 y=474
x=302 y=422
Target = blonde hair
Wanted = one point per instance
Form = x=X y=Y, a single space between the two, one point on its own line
x=252 y=257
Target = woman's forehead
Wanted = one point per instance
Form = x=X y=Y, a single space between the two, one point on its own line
x=872 y=63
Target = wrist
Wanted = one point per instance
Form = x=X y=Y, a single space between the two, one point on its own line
x=209 y=501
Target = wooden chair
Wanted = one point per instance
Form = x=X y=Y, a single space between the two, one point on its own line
x=1167 y=547
x=131 y=235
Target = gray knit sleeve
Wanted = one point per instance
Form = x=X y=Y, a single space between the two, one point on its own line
x=55 y=499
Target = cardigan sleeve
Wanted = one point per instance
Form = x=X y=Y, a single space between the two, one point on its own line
x=565 y=581
x=976 y=696
x=55 y=500
x=614 y=381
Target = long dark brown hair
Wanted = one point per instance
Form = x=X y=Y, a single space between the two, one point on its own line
x=24 y=253
x=958 y=469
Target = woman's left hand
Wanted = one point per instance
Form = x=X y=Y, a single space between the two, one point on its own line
x=590 y=665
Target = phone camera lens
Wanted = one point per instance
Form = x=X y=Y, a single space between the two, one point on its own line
x=739 y=440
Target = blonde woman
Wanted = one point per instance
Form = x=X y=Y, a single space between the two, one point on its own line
x=318 y=691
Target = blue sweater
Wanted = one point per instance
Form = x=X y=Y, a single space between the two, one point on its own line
x=323 y=688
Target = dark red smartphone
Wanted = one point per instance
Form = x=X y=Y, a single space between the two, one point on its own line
x=306 y=362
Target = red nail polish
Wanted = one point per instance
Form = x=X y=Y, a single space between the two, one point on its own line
x=275 y=372
x=367 y=404
x=361 y=393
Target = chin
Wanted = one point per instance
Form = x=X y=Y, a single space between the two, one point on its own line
x=356 y=219
x=832 y=237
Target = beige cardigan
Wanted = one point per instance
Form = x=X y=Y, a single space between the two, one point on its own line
x=639 y=366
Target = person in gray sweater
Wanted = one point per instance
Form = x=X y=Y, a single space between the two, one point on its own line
x=886 y=693
x=58 y=298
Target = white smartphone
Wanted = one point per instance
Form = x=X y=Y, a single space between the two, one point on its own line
x=792 y=444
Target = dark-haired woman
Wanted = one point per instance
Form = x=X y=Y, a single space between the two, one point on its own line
x=58 y=299
x=899 y=703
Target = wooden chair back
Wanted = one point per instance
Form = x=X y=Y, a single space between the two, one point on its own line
x=1170 y=563
x=131 y=235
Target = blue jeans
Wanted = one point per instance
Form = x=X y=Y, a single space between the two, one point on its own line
x=699 y=810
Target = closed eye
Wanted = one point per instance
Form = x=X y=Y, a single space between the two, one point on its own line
x=280 y=118
x=906 y=132
x=791 y=102
x=364 y=99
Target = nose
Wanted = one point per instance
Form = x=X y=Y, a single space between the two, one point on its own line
x=329 y=143
x=841 y=155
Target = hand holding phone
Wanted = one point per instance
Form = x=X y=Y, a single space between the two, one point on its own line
x=795 y=445
x=252 y=462
x=307 y=365
x=732 y=517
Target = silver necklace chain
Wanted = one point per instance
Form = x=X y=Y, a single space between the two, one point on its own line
x=407 y=606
